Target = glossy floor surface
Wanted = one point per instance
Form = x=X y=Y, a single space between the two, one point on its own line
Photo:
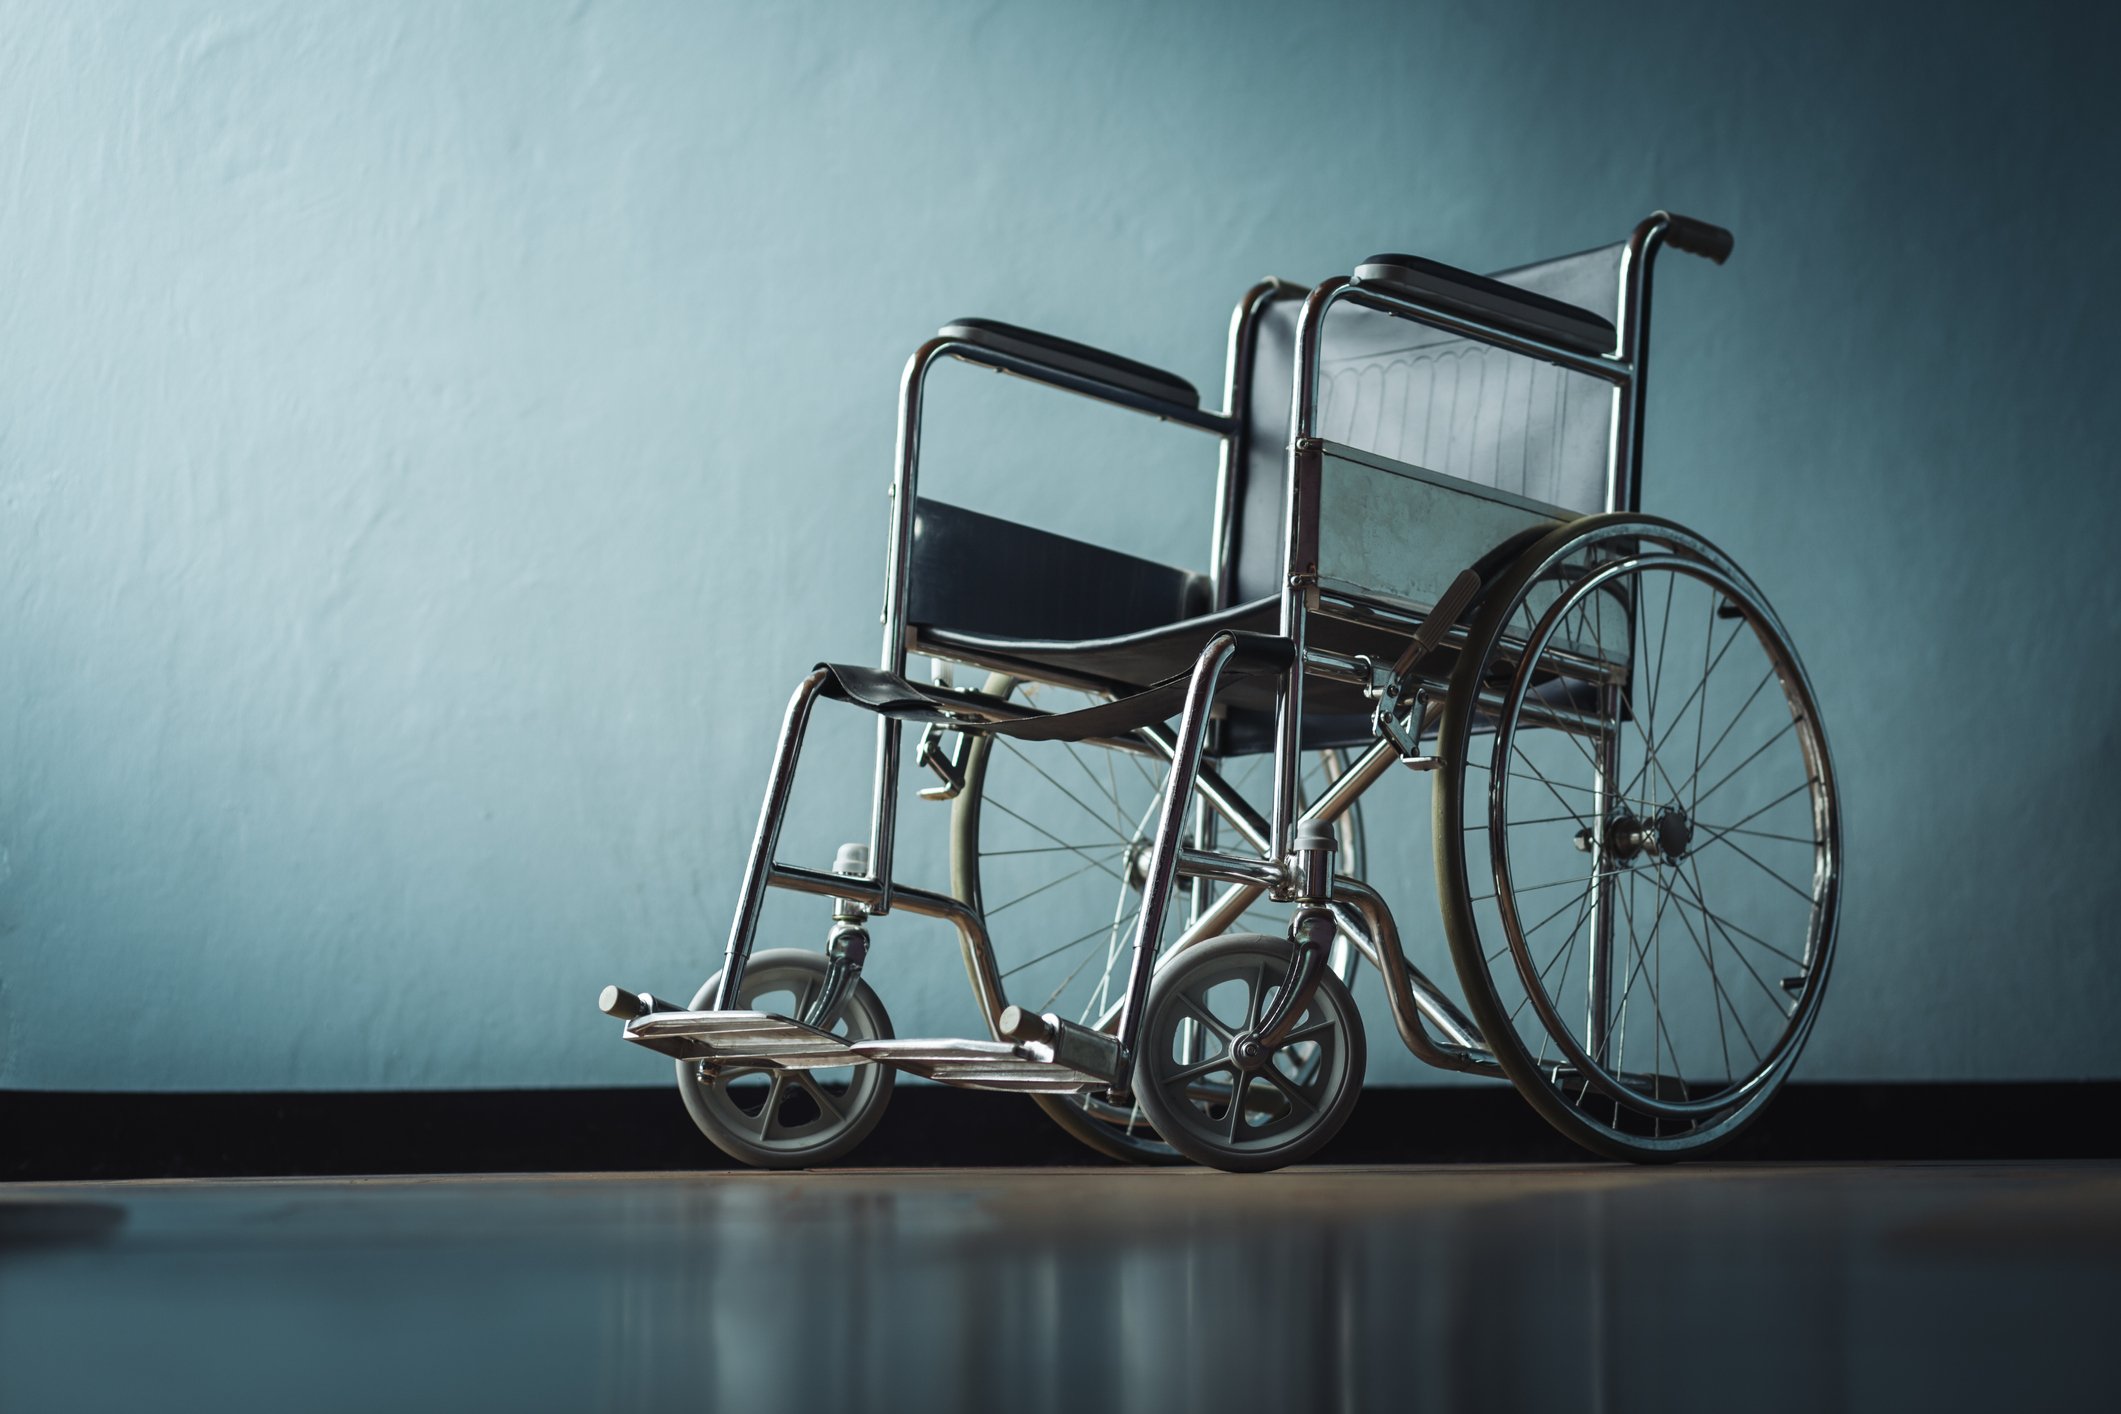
x=1785 y=1288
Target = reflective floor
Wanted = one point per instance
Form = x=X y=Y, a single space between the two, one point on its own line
x=1784 y=1288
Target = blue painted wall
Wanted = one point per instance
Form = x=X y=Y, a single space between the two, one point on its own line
x=434 y=437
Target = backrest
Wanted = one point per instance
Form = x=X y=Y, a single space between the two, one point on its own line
x=1416 y=394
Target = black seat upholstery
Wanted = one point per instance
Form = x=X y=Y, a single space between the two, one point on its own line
x=990 y=591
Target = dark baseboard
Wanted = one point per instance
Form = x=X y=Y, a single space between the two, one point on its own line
x=67 y=1135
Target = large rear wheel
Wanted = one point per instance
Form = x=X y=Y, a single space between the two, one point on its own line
x=1637 y=838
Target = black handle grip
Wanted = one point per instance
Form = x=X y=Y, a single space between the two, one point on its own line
x=1698 y=237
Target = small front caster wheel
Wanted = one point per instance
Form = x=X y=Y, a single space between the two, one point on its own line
x=1212 y=1109
x=789 y=1119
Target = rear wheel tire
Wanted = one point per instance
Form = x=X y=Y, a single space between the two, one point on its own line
x=1691 y=812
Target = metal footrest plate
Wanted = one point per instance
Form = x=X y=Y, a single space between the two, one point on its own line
x=742 y=1038
x=979 y=1065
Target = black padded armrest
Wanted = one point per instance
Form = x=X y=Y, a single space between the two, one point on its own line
x=1490 y=301
x=1078 y=359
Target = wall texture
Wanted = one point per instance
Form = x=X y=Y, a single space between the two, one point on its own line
x=434 y=437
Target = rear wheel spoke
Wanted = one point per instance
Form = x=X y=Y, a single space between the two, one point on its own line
x=1691 y=700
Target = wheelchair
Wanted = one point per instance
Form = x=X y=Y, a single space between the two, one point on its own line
x=1427 y=556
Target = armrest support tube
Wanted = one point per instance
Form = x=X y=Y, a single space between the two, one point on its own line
x=898 y=557
x=780 y=779
x=1168 y=844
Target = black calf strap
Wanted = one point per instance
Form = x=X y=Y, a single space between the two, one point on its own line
x=890 y=695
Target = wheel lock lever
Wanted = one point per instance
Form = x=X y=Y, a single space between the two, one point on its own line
x=949 y=766
x=1398 y=716
x=1402 y=707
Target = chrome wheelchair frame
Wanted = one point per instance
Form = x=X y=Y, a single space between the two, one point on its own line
x=1285 y=852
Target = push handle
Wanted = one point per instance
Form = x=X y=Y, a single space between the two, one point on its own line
x=1698 y=237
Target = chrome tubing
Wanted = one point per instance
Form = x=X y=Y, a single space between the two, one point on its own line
x=1623 y=493
x=1215 y=920
x=1237 y=392
x=1261 y=876
x=1340 y=667
x=1624 y=452
x=1200 y=894
x=972 y=933
x=1623 y=489
x=1362 y=915
x=1358 y=776
x=1298 y=531
x=1233 y=868
x=766 y=837
x=1354 y=859
x=1232 y=807
x=1605 y=890
x=898 y=561
x=1169 y=843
